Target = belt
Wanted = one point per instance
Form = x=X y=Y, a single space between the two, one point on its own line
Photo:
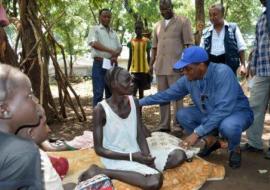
x=217 y=59
x=98 y=58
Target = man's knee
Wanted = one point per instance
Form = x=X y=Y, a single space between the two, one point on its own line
x=180 y=116
x=236 y=124
x=230 y=129
x=183 y=117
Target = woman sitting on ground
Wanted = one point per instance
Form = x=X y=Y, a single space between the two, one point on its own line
x=119 y=138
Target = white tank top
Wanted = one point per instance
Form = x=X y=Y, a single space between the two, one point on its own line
x=120 y=135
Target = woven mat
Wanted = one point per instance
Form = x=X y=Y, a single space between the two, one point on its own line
x=188 y=176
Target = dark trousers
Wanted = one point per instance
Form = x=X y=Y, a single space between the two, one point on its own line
x=230 y=127
x=221 y=59
x=98 y=81
x=217 y=59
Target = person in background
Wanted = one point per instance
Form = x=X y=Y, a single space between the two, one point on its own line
x=259 y=94
x=105 y=45
x=138 y=62
x=20 y=166
x=223 y=41
x=171 y=35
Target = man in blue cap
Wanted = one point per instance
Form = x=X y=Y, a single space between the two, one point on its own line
x=219 y=103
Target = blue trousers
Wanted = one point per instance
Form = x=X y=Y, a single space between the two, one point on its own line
x=230 y=128
x=98 y=82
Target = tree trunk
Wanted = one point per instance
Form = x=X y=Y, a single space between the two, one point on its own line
x=33 y=64
x=70 y=65
x=200 y=20
x=35 y=56
x=7 y=54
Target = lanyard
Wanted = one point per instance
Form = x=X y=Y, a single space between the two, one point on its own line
x=203 y=95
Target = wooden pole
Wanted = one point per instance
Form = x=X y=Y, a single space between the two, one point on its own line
x=200 y=20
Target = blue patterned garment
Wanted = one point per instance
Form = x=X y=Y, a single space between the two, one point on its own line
x=260 y=64
x=98 y=182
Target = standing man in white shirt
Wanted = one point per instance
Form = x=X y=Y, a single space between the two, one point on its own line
x=105 y=45
x=223 y=41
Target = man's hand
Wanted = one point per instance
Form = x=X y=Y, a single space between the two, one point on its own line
x=116 y=53
x=141 y=158
x=189 y=141
x=250 y=73
x=114 y=61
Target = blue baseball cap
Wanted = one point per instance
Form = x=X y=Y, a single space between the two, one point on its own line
x=194 y=54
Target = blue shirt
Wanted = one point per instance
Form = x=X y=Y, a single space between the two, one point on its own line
x=217 y=96
x=20 y=164
x=260 y=63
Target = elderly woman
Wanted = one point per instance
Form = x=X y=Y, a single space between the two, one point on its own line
x=119 y=138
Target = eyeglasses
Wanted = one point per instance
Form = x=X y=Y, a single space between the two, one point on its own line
x=203 y=99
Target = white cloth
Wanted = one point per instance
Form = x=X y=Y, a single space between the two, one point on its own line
x=167 y=22
x=82 y=142
x=162 y=144
x=52 y=180
x=120 y=135
x=217 y=45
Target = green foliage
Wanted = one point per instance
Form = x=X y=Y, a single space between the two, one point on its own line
x=72 y=28
x=244 y=13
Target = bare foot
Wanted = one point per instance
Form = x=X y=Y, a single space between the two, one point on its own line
x=175 y=158
x=56 y=146
x=90 y=172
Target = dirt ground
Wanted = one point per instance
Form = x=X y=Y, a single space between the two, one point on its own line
x=247 y=177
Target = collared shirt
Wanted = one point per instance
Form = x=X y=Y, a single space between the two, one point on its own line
x=169 y=41
x=260 y=63
x=221 y=91
x=217 y=46
x=107 y=38
x=167 y=22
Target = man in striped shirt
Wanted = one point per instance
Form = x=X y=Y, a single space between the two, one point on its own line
x=138 y=63
x=259 y=97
